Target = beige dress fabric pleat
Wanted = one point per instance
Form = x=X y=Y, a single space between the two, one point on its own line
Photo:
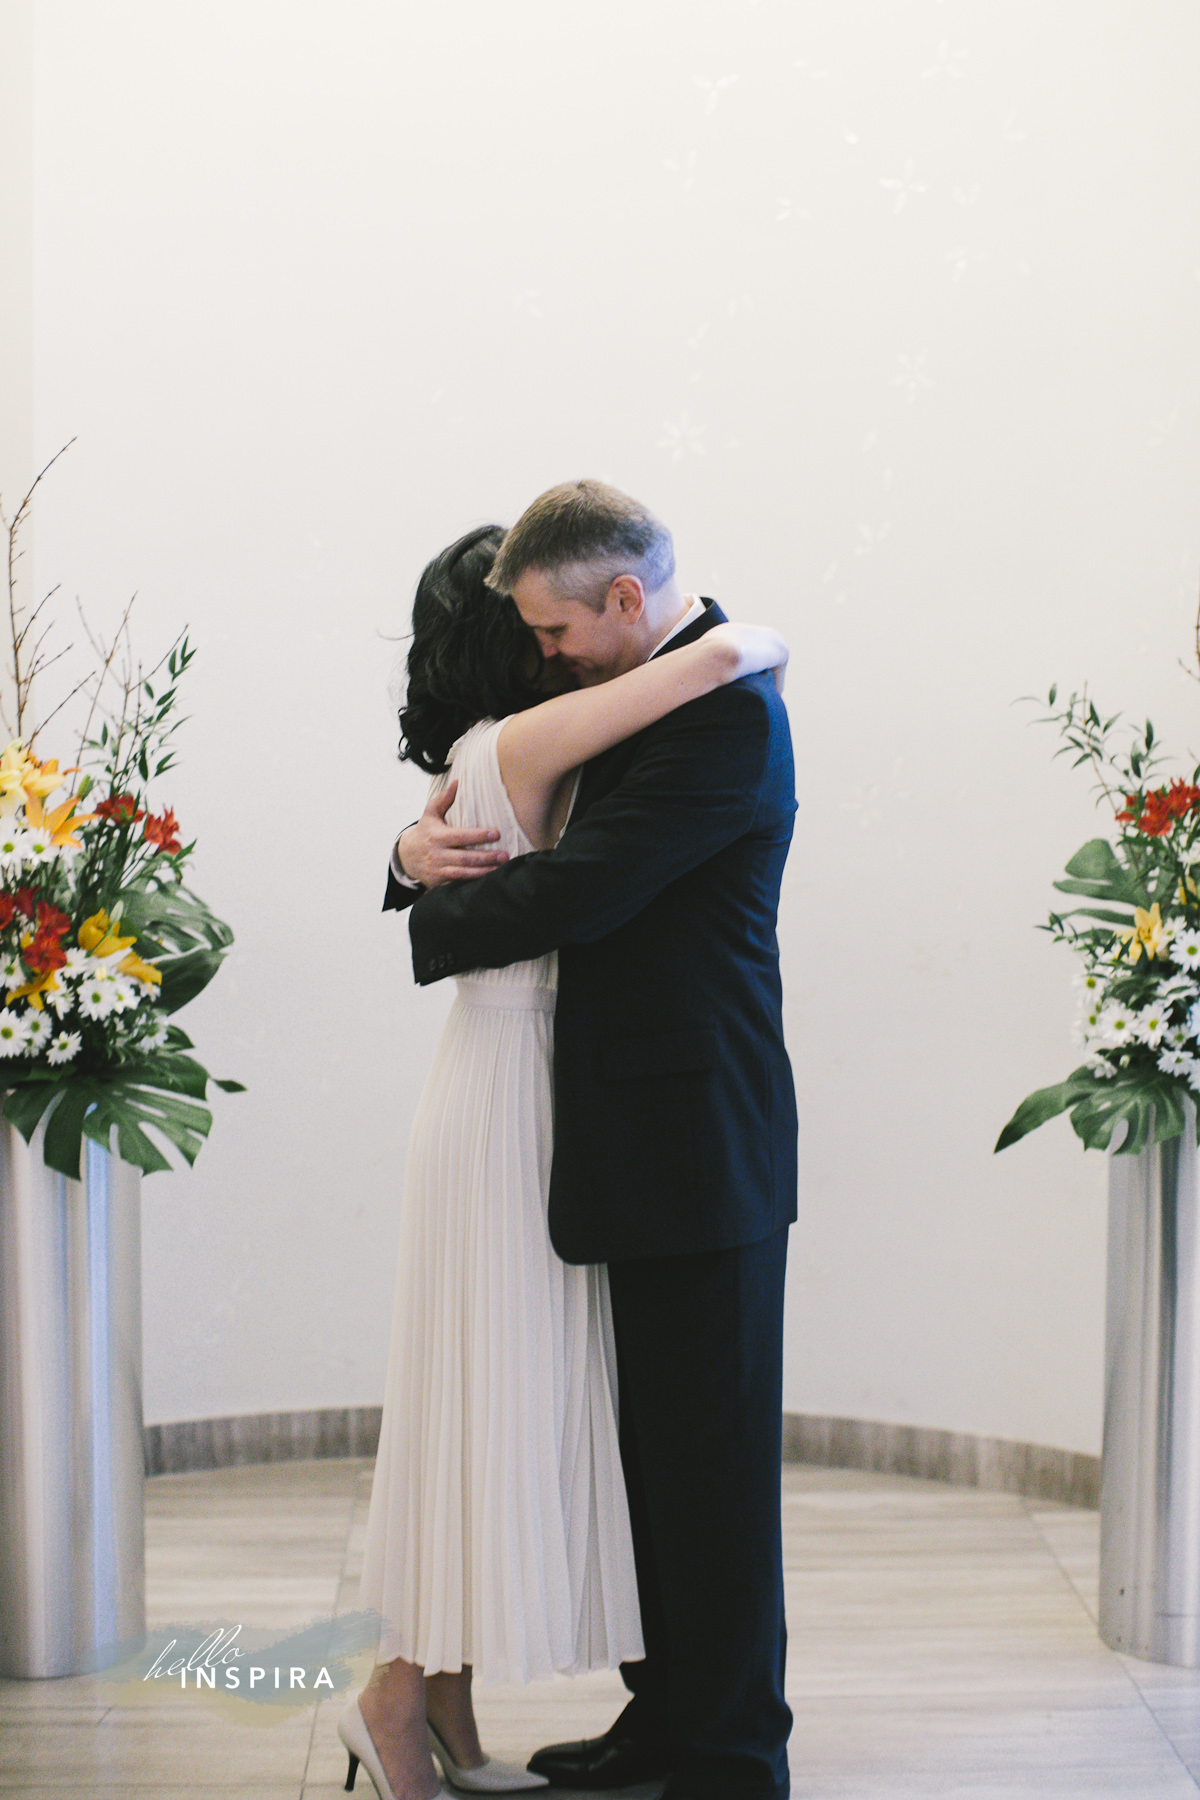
x=498 y=1534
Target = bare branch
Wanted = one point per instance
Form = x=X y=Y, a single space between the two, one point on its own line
x=20 y=683
x=79 y=686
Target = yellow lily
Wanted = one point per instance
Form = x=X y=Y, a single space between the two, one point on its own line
x=1147 y=933
x=33 y=990
x=140 y=970
x=97 y=935
x=23 y=777
x=60 y=823
x=15 y=765
x=42 y=778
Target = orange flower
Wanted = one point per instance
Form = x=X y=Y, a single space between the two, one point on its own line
x=164 y=832
x=60 y=823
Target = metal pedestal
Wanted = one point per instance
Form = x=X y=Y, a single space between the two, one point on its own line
x=1150 y=1482
x=72 y=1537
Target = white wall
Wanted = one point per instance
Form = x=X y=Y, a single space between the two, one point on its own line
x=889 y=309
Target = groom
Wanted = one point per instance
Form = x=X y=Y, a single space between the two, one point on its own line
x=674 y=1125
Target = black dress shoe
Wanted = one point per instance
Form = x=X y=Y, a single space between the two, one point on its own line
x=612 y=1761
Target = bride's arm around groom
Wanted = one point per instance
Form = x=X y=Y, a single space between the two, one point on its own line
x=674 y=1157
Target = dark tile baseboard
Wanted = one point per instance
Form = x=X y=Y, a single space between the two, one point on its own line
x=261 y=1438
x=1033 y=1470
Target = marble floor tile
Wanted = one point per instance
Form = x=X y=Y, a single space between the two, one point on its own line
x=942 y=1642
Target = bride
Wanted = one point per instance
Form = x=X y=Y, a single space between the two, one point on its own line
x=498 y=1538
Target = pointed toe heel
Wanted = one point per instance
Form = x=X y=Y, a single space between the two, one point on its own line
x=493 y=1777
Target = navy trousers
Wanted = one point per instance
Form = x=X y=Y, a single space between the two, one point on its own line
x=699 y=1344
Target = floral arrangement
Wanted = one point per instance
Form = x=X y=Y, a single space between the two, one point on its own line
x=100 y=939
x=1138 y=940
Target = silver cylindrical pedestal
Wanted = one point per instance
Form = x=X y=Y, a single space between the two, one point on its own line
x=72 y=1534
x=1150 y=1481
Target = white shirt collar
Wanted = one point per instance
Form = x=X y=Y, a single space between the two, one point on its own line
x=696 y=610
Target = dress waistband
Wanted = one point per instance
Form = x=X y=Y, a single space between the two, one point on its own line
x=504 y=998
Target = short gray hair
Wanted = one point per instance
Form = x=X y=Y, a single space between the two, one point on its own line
x=582 y=535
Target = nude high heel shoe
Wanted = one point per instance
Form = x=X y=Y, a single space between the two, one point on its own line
x=492 y=1777
x=352 y=1729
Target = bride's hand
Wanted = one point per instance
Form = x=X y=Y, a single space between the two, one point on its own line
x=748 y=650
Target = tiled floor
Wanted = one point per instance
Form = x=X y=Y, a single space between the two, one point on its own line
x=943 y=1642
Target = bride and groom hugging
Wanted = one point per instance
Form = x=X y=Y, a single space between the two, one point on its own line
x=579 y=1457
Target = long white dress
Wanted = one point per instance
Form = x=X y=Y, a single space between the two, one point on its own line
x=498 y=1534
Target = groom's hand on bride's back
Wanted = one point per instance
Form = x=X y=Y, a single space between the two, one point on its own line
x=432 y=852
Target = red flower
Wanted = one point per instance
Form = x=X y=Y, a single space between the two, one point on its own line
x=50 y=919
x=1181 y=798
x=43 y=950
x=122 y=809
x=25 y=898
x=164 y=832
x=43 y=953
x=1156 y=812
x=8 y=910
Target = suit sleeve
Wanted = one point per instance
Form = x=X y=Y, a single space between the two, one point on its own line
x=692 y=788
x=399 y=894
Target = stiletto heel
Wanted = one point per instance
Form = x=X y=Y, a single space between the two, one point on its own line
x=492 y=1777
x=352 y=1729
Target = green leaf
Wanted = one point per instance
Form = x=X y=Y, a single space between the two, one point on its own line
x=64 y=1126
x=230 y=1087
x=1096 y=872
x=1096 y=912
x=1045 y=1104
x=159 y=1094
x=24 y=1106
x=1150 y=1104
x=183 y=977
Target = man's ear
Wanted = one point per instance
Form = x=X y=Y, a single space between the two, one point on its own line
x=629 y=596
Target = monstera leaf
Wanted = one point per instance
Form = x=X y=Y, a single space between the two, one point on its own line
x=170 y=917
x=1097 y=873
x=162 y=1090
x=1150 y=1105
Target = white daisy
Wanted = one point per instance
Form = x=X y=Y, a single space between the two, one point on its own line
x=1152 y=1022
x=14 y=1032
x=1099 y=1065
x=37 y=1029
x=1176 y=1037
x=1116 y=1024
x=78 y=961
x=156 y=1037
x=124 y=992
x=38 y=846
x=96 y=998
x=1191 y=856
x=1090 y=982
x=61 y=999
x=13 y=842
x=1185 y=949
x=12 y=970
x=64 y=1047
x=1174 y=1062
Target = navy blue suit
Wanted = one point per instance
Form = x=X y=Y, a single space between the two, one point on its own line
x=675 y=1163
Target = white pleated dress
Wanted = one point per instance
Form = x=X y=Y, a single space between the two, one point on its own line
x=498 y=1534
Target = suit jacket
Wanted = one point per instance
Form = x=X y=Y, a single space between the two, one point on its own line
x=674 y=1110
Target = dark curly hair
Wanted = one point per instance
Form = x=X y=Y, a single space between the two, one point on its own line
x=472 y=656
